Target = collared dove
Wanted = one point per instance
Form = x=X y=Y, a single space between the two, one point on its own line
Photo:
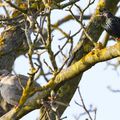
x=11 y=86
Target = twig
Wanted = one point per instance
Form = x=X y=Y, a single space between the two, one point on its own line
x=60 y=49
x=69 y=17
x=95 y=114
x=14 y=6
x=89 y=4
x=59 y=29
x=30 y=44
x=113 y=90
x=68 y=4
x=42 y=116
x=84 y=29
x=6 y=11
x=38 y=59
x=49 y=40
x=48 y=66
x=83 y=104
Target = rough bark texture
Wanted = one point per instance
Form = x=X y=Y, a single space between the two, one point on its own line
x=11 y=41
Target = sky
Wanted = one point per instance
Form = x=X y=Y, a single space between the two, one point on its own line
x=93 y=86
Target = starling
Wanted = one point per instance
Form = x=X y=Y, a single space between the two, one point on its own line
x=111 y=23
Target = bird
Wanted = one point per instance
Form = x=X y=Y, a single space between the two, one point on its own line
x=110 y=23
x=11 y=86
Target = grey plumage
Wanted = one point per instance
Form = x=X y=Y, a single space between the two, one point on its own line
x=11 y=86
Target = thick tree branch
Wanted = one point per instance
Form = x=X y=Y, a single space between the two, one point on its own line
x=95 y=56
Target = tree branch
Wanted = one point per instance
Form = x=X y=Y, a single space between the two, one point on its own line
x=95 y=56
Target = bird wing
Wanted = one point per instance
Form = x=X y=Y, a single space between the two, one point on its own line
x=10 y=94
x=112 y=26
x=116 y=23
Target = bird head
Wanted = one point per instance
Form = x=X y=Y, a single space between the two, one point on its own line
x=105 y=13
x=3 y=73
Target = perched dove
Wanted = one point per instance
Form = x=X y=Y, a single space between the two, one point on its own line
x=11 y=86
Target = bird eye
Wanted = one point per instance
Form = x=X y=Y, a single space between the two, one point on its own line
x=102 y=10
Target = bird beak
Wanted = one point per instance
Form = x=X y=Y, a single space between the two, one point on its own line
x=100 y=15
